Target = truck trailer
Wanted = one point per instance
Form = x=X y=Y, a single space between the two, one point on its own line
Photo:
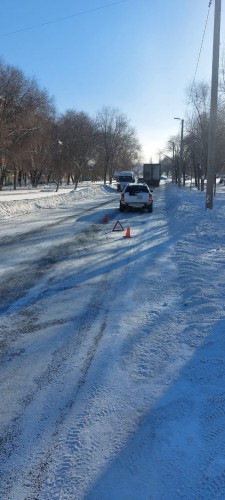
x=152 y=173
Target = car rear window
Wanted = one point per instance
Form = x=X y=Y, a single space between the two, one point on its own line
x=132 y=190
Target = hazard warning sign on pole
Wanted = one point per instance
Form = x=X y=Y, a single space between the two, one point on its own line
x=119 y=228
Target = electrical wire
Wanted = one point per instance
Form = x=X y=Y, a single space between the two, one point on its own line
x=60 y=19
x=203 y=37
x=200 y=50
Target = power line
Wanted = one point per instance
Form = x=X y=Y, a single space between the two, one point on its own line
x=203 y=37
x=60 y=19
x=200 y=50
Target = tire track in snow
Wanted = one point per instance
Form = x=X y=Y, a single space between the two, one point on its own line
x=51 y=382
x=144 y=356
x=59 y=369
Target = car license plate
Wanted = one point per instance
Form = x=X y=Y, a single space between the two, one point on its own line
x=139 y=197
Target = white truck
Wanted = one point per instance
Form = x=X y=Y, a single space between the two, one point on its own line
x=152 y=173
x=123 y=178
x=137 y=196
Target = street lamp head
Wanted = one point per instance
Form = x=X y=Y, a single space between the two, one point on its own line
x=181 y=120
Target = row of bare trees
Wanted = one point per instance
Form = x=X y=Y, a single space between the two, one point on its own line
x=36 y=143
x=195 y=142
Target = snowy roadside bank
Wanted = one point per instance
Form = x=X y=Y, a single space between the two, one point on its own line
x=24 y=202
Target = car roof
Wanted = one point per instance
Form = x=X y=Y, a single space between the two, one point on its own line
x=136 y=184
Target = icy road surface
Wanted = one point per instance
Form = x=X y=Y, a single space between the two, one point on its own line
x=113 y=351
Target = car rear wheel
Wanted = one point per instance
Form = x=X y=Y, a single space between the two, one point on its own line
x=122 y=207
x=150 y=208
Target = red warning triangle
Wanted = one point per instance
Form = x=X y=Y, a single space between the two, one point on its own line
x=118 y=223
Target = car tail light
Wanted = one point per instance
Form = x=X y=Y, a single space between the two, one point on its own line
x=122 y=197
x=150 y=198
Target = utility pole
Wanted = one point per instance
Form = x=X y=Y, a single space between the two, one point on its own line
x=213 y=107
x=173 y=152
x=182 y=151
x=174 y=170
x=181 y=159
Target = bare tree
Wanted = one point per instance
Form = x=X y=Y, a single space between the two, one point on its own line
x=196 y=139
x=171 y=154
x=77 y=133
x=22 y=107
x=117 y=142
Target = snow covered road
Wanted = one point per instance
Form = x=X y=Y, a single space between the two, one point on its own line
x=112 y=363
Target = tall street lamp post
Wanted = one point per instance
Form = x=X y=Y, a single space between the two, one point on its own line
x=181 y=162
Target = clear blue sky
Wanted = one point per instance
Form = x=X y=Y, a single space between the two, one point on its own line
x=136 y=55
